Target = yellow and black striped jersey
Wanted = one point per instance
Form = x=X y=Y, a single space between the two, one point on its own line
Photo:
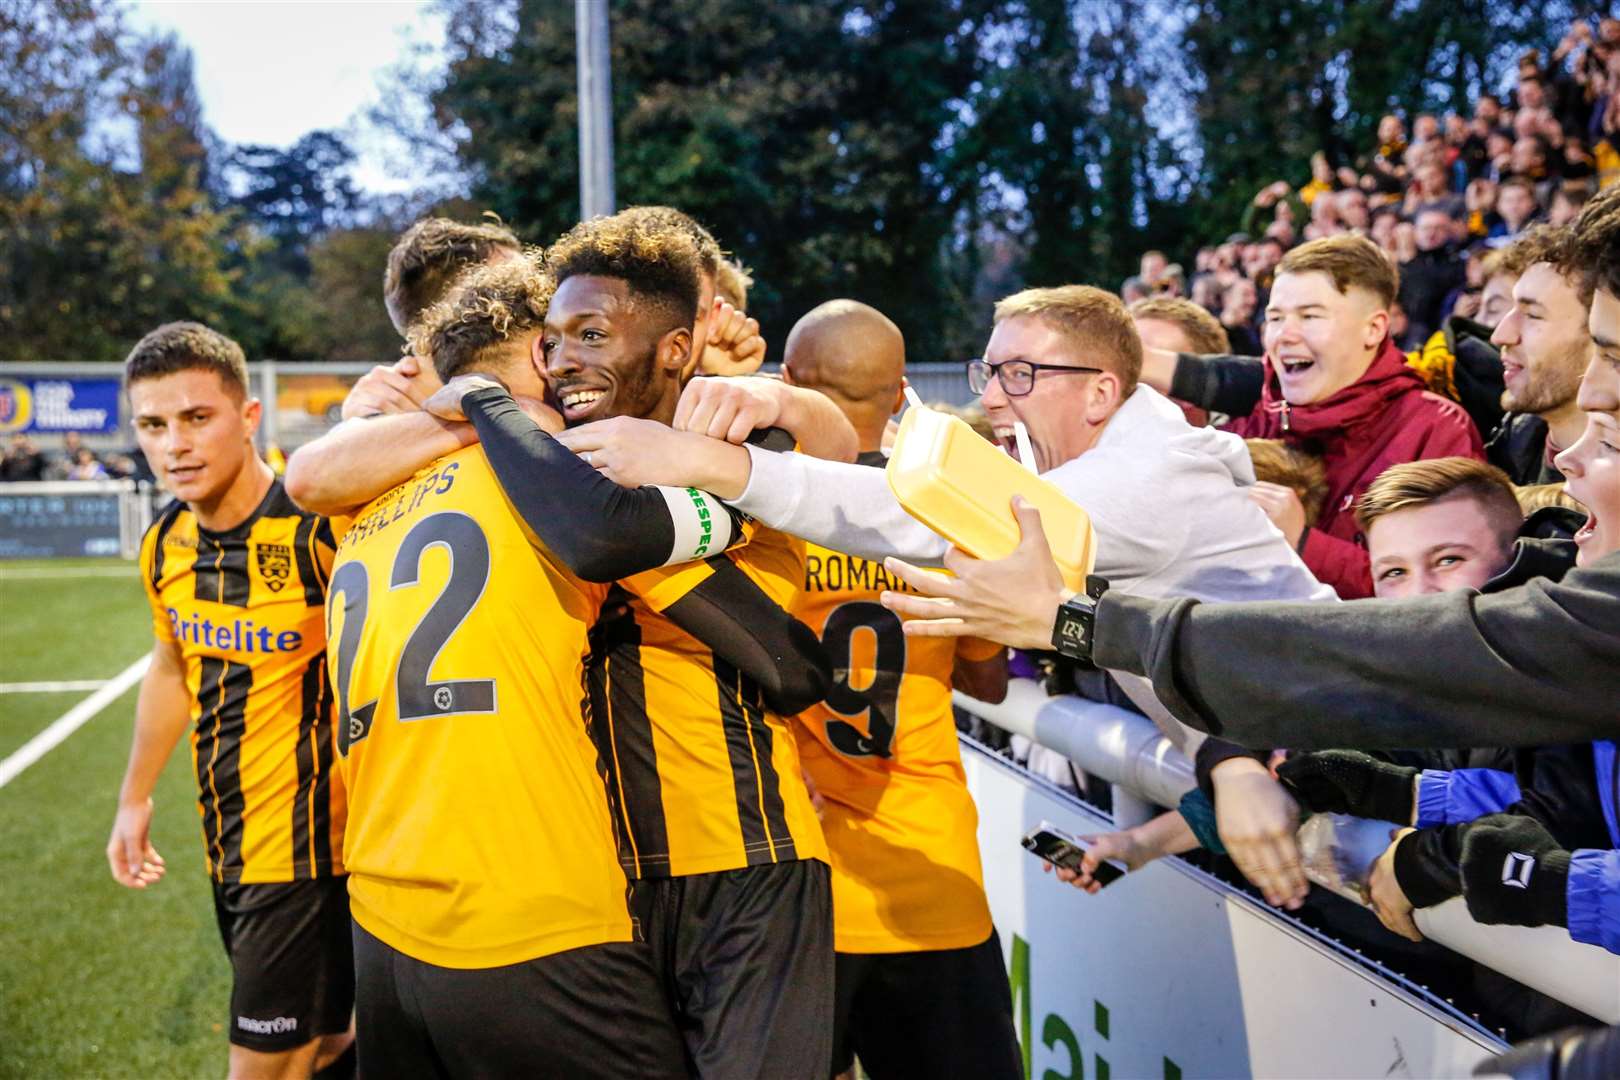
x=701 y=774
x=479 y=832
x=244 y=607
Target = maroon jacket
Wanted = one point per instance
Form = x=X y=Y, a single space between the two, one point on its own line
x=1384 y=419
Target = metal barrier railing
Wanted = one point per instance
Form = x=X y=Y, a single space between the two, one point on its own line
x=68 y=518
x=1131 y=753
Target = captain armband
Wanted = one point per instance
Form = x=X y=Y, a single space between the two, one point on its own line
x=704 y=525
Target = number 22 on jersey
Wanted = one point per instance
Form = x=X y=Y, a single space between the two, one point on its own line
x=418 y=695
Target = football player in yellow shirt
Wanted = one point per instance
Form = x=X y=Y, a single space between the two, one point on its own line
x=491 y=927
x=236 y=576
x=921 y=987
x=715 y=822
x=718 y=829
x=423 y=264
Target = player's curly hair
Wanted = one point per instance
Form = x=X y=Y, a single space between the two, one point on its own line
x=667 y=217
x=1596 y=242
x=188 y=346
x=428 y=258
x=647 y=249
x=487 y=307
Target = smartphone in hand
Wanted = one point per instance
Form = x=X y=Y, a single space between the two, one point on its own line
x=1060 y=849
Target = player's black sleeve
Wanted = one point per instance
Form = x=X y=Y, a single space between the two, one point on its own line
x=733 y=616
x=599 y=530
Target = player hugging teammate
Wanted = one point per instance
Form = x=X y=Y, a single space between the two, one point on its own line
x=569 y=717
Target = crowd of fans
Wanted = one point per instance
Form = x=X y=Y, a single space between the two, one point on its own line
x=22 y=459
x=1444 y=445
x=1438 y=195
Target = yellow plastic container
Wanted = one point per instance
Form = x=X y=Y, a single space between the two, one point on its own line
x=952 y=480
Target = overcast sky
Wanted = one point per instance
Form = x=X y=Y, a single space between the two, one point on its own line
x=269 y=71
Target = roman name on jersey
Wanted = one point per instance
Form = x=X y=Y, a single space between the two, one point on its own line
x=835 y=572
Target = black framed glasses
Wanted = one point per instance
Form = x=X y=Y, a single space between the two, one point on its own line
x=1017 y=376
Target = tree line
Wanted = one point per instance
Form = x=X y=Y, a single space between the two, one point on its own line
x=924 y=155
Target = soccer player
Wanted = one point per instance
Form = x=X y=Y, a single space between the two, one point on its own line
x=237 y=575
x=504 y=941
x=703 y=771
x=719 y=833
x=422 y=266
x=430 y=255
x=921 y=988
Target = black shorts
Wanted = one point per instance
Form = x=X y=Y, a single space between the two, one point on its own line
x=292 y=968
x=594 y=1011
x=945 y=1012
x=747 y=961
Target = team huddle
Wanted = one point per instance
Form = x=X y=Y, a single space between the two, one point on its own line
x=504 y=768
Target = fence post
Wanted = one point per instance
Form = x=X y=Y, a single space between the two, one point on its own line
x=270 y=429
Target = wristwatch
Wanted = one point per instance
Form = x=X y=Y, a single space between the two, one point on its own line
x=1072 y=630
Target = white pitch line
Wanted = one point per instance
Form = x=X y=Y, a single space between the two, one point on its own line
x=67 y=572
x=71 y=721
x=79 y=685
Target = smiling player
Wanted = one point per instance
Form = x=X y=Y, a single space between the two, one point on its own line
x=703 y=773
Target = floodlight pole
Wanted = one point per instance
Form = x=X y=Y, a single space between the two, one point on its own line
x=595 y=108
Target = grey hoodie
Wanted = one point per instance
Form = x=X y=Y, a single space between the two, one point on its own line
x=1530 y=666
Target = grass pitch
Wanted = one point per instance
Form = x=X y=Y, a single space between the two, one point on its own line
x=95 y=980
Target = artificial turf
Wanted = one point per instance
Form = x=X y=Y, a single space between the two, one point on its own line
x=95 y=979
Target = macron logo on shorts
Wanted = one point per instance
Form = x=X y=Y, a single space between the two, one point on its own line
x=278 y=1026
x=1516 y=869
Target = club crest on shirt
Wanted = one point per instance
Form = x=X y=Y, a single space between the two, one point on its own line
x=275 y=565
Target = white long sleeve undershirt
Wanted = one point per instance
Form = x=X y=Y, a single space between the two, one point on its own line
x=844 y=507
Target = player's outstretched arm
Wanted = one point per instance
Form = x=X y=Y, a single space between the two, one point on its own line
x=361 y=458
x=599 y=530
x=845 y=507
x=733 y=616
x=162 y=712
x=641 y=453
x=733 y=408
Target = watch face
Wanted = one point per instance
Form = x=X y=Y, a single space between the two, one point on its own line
x=1071 y=633
x=1074 y=633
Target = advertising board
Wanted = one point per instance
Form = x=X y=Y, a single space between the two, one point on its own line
x=58 y=405
x=1169 y=973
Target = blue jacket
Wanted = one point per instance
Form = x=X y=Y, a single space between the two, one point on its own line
x=1593 y=892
